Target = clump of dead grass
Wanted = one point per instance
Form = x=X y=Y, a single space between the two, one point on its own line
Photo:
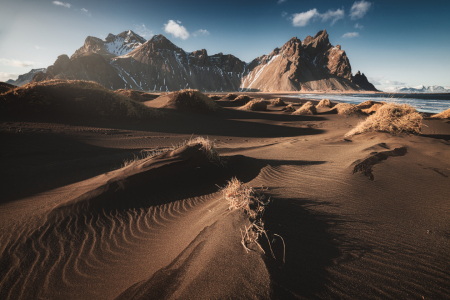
x=242 y=99
x=215 y=97
x=392 y=118
x=139 y=96
x=373 y=108
x=306 y=109
x=206 y=145
x=192 y=100
x=346 y=109
x=443 y=115
x=241 y=196
x=255 y=105
x=231 y=96
x=324 y=103
x=277 y=102
x=289 y=108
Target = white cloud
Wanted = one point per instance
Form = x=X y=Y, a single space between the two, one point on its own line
x=6 y=76
x=281 y=1
x=333 y=15
x=144 y=31
x=350 y=35
x=176 y=30
x=394 y=82
x=16 y=63
x=68 y=5
x=375 y=80
x=359 y=9
x=39 y=47
x=358 y=26
x=284 y=14
x=86 y=12
x=304 y=18
x=201 y=32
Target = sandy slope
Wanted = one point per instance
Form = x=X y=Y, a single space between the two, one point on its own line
x=161 y=230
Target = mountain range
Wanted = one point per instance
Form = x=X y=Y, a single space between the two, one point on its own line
x=127 y=60
x=419 y=89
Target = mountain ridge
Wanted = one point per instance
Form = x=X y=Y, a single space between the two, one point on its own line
x=160 y=65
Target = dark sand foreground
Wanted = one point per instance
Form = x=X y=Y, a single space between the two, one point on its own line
x=74 y=225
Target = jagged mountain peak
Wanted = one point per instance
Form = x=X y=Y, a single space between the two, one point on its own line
x=113 y=45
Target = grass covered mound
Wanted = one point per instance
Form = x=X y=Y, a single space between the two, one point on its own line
x=306 y=109
x=391 y=118
x=255 y=105
x=63 y=100
x=324 y=103
x=139 y=96
x=230 y=96
x=191 y=100
x=215 y=97
x=5 y=87
x=443 y=115
x=373 y=108
x=289 y=108
x=277 y=102
x=242 y=100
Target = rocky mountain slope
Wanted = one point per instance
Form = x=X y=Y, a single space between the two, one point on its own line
x=362 y=82
x=27 y=77
x=128 y=61
x=113 y=45
x=311 y=64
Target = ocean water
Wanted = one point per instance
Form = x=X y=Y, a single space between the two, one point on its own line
x=430 y=103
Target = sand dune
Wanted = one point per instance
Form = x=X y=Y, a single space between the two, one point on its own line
x=159 y=228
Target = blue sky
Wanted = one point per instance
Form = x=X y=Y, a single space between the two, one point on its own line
x=393 y=42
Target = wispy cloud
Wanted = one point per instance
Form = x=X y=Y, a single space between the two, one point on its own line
x=6 y=76
x=39 y=47
x=284 y=14
x=333 y=15
x=304 y=18
x=350 y=35
x=358 y=26
x=359 y=9
x=144 y=31
x=281 y=1
x=68 y=5
x=394 y=82
x=86 y=12
x=16 y=63
x=375 y=80
x=201 y=32
x=176 y=29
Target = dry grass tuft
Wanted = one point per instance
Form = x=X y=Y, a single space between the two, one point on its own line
x=443 y=115
x=192 y=100
x=255 y=105
x=241 y=196
x=289 y=108
x=324 y=103
x=277 y=102
x=215 y=97
x=206 y=145
x=242 y=99
x=231 y=96
x=346 y=109
x=392 y=118
x=306 y=109
x=373 y=108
